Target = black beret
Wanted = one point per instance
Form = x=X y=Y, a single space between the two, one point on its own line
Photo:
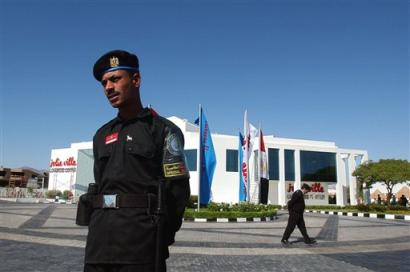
x=115 y=60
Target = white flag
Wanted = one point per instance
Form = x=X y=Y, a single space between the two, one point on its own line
x=263 y=158
x=250 y=133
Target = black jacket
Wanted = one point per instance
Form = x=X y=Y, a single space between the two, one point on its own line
x=297 y=203
x=130 y=157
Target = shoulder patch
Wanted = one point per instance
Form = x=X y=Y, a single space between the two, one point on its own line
x=174 y=163
x=174 y=145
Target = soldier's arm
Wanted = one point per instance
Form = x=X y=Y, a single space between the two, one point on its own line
x=176 y=175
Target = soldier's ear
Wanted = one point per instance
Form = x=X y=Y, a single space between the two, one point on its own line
x=136 y=79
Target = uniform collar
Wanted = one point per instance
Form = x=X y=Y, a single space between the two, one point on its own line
x=145 y=112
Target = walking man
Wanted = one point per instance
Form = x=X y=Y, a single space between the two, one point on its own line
x=296 y=207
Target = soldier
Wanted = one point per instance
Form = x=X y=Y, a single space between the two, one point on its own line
x=296 y=207
x=132 y=220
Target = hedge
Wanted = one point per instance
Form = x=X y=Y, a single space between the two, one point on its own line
x=208 y=214
x=227 y=210
x=363 y=208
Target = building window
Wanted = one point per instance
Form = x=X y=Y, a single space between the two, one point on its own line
x=289 y=165
x=273 y=158
x=318 y=166
x=231 y=160
x=191 y=158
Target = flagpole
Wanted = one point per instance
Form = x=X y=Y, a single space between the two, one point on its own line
x=199 y=155
x=259 y=161
x=239 y=166
x=246 y=134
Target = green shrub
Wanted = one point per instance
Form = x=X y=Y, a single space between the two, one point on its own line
x=241 y=207
x=397 y=208
x=53 y=193
x=208 y=214
x=377 y=208
x=324 y=207
x=363 y=208
x=67 y=194
x=192 y=202
x=30 y=191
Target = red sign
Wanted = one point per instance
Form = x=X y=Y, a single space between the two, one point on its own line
x=70 y=162
x=317 y=188
x=111 y=138
x=290 y=188
x=58 y=163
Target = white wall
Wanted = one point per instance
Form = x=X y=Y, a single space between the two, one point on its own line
x=62 y=177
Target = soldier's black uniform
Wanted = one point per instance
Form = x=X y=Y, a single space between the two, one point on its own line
x=131 y=157
x=296 y=207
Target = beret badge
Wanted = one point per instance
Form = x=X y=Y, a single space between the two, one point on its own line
x=114 y=62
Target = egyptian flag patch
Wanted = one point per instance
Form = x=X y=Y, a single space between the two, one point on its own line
x=111 y=138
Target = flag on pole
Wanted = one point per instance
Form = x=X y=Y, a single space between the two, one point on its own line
x=263 y=157
x=207 y=160
x=263 y=170
x=250 y=133
x=242 y=169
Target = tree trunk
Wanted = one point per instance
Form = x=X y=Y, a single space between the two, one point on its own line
x=389 y=187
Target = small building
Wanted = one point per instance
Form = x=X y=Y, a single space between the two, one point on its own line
x=21 y=177
x=4 y=176
x=291 y=162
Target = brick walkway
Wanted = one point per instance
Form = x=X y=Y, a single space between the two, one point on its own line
x=43 y=237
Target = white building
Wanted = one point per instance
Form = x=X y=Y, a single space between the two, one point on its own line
x=291 y=162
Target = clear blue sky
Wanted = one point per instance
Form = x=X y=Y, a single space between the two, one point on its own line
x=319 y=69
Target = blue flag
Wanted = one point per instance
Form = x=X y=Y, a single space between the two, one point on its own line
x=242 y=188
x=207 y=160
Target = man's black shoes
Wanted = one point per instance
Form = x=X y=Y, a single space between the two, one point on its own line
x=285 y=242
x=310 y=241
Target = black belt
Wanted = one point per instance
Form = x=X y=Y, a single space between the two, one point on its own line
x=116 y=201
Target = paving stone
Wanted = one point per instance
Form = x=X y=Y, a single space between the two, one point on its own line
x=44 y=237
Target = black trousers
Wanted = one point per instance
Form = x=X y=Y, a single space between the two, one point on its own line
x=123 y=267
x=295 y=219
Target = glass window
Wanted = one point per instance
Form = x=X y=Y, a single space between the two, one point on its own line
x=289 y=165
x=191 y=158
x=318 y=166
x=231 y=160
x=273 y=162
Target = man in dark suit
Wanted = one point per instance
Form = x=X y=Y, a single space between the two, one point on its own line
x=296 y=207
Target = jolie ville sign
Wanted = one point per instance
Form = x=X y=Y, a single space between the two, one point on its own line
x=59 y=163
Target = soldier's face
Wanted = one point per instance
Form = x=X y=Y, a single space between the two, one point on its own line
x=121 y=88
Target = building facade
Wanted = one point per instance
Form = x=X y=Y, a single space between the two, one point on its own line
x=291 y=162
x=22 y=178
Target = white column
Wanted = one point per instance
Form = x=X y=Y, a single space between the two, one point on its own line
x=281 y=184
x=366 y=191
x=298 y=181
x=365 y=158
x=352 y=180
x=341 y=179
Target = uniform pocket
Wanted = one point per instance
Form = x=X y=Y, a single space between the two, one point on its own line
x=141 y=150
x=104 y=153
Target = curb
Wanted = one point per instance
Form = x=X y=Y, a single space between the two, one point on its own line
x=370 y=215
x=231 y=220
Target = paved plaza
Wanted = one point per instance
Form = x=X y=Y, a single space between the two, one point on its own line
x=44 y=237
